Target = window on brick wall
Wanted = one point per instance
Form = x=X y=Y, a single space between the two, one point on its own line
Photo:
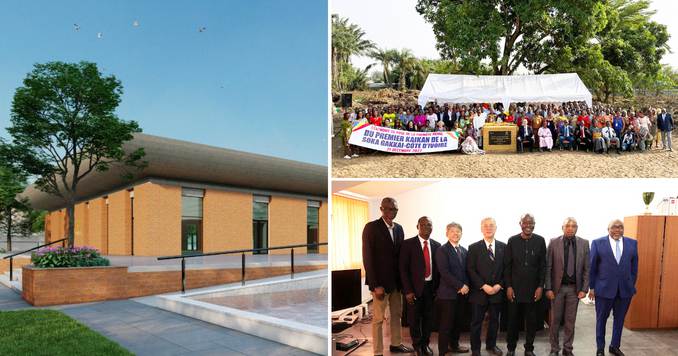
x=312 y=216
x=191 y=220
x=260 y=223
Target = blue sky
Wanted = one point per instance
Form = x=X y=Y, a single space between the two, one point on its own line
x=255 y=80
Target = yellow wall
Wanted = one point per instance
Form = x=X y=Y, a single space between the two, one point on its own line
x=119 y=223
x=227 y=221
x=157 y=220
x=286 y=223
x=322 y=225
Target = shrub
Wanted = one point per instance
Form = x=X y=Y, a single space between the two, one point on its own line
x=50 y=257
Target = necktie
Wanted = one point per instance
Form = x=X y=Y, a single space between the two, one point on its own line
x=570 y=258
x=427 y=260
x=618 y=252
x=456 y=249
x=489 y=250
x=567 y=131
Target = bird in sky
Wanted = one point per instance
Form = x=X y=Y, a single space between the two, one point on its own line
x=76 y=27
x=100 y=35
x=202 y=29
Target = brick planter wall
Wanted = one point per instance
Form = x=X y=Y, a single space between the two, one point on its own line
x=52 y=286
x=17 y=262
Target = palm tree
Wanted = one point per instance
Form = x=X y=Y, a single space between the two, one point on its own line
x=347 y=40
x=406 y=63
x=385 y=57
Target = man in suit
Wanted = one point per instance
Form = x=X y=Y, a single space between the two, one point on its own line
x=524 y=274
x=665 y=125
x=484 y=267
x=454 y=286
x=612 y=278
x=525 y=133
x=583 y=135
x=567 y=281
x=419 y=277
x=449 y=118
x=382 y=239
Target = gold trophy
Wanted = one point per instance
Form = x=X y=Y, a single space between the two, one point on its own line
x=647 y=199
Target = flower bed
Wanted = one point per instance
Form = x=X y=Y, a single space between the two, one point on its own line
x=52 y=257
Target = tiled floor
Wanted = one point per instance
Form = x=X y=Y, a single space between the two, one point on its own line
x=145 y=330
x=634 y=343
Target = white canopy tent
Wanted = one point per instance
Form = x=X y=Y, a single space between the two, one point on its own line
x=505 y=89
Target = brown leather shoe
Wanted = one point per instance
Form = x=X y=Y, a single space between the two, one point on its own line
x=494 y=351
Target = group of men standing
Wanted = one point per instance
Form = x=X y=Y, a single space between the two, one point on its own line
x=488 y=274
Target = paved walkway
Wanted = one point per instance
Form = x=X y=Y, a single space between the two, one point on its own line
x=145 y=330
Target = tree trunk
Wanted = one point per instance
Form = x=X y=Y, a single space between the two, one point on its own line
x=401 y=83
x=9 y=229
x=335 y=77
x=71 y=224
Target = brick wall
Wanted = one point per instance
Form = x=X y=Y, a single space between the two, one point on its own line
x=287 y=223
x=323 y=218
x=227 y=221
x=119 y=223
x=157 y=220
x=80 y=285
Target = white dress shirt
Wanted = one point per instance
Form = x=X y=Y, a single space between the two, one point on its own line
x=390 y=229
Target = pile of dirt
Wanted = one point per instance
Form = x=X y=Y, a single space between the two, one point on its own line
x=384 y=97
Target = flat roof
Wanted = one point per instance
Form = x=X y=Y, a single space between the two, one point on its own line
x=184 y=161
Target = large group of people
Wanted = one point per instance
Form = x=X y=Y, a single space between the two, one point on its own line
x=437 y=279
x=542 y=126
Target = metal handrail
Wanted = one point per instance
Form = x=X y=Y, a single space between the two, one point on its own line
x=11 y=257
x=184 y=257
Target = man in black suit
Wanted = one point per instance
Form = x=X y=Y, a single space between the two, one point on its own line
x=420 y=278
x=525 y=134
x=449 y=117
x=452 y=290
x=524 y=274
x=382 y=239
x=583 y=135
x=485 y=267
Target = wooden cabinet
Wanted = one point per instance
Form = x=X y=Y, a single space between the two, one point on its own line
x=654 y=305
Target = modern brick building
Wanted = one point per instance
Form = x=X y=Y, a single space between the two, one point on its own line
x=194 y=198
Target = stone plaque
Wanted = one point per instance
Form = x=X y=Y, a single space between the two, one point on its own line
x=500 y=137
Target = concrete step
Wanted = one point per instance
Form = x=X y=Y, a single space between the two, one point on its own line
x=15 y=284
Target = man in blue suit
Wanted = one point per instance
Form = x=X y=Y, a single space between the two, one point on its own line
x=665 y=125
x=452 y=290
x=612 y=279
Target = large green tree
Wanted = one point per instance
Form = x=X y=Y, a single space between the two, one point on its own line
x=12 y=182
x=64 y=127
x=538 y=35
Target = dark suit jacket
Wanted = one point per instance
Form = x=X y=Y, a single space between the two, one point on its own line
x=665 y=124
x=481 y=270
x=380 y=255
x=449 y=120
x=555 y=264
x=606 y=276
x=522 y=134
x=413 y=267
x=577 y=133
x=452 y=272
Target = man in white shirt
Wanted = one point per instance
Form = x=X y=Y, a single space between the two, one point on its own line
x=610 y=137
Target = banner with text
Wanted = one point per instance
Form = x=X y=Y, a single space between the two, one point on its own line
x=398 y=141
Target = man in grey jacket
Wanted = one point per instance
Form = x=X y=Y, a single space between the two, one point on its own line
x=567 y=281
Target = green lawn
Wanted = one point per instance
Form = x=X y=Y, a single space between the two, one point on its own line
x=50 y=332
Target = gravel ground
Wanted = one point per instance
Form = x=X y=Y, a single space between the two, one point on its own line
x=650 y=164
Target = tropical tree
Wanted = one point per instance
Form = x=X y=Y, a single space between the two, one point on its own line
x=386 y=57
x=406 y=64
x=64 y=128
x=538 y=35
x=347 y=40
